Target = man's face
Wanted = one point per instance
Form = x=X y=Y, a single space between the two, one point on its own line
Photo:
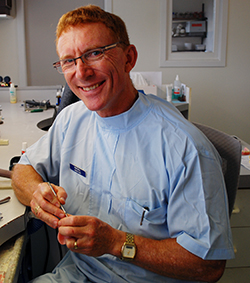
x=102 y=86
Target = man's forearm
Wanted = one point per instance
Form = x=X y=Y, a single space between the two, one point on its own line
x=168 y=258
x=24 y=182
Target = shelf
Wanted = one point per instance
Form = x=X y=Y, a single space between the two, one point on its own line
x=188 y=20
x=5 y=17
x=189 y=50
x=202 y=34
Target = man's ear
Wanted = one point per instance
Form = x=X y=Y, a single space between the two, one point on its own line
x=131 y=58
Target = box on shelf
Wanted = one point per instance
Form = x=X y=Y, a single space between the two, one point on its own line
x=196 y=26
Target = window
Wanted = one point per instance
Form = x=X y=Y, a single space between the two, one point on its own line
x=193 y=33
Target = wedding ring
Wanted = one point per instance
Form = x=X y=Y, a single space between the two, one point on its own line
x=75 y=245
x=36 y=209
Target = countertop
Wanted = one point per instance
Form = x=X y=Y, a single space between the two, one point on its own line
x=19 y=126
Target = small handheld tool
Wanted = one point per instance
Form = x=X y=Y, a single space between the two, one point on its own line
x=4 y=200
x=61 y=206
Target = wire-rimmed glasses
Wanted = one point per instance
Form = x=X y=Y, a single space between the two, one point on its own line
x=89 y=58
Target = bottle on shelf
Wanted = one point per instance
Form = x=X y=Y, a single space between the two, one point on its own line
x=24 y=147
x=177 y=88
x=12 y=93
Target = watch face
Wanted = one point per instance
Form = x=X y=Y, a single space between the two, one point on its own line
x=128 y=251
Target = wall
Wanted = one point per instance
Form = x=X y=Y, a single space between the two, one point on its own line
x=220 y=96
x=8 y=49
x=41 y=21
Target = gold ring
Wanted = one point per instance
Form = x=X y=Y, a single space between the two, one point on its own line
x=75 y=245
x=36 y=209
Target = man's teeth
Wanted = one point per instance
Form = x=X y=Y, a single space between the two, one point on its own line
x=90 y=88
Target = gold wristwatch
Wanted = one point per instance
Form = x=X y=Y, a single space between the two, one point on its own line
x=128 y=250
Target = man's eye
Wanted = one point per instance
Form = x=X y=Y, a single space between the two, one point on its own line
x=93 y=54
x=67 y=62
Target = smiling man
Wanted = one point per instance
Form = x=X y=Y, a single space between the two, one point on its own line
x=142 y=187
x=103 y=85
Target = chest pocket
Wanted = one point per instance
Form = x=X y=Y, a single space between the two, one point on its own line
x=145 y=222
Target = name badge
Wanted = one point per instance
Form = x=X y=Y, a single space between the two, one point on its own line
x=77 y=170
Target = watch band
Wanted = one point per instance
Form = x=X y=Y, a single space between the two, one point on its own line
x=129 y=238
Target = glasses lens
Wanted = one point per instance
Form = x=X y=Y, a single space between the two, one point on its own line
x=92 y=56
x=67 y=65
x=58 y=67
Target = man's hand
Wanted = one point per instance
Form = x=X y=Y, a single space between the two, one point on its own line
x=89 y=235
x=46 y=206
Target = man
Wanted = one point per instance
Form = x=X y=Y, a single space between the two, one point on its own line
x=142 y=187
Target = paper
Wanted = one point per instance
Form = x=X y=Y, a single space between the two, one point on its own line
x=138 y=79
x=151 y=78
x=245 y=161
x=148 y=82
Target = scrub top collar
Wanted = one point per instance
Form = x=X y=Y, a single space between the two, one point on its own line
x=128 y=119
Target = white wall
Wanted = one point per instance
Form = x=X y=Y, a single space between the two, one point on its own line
x=8 y=49
x=220 y=96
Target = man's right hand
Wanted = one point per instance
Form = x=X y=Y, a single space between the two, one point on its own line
x=46 y=206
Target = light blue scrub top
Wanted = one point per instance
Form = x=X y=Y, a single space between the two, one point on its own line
x=112 y=168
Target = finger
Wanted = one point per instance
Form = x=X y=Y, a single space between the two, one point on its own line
x=81 y=246
x=35 y=209
x=73 y=232
x=79 y=226
x=74 y=245
x=48 y=218
x=62 y=239
x=79 y=220
x=47 y=206
x=59 y=193
x=48 y=194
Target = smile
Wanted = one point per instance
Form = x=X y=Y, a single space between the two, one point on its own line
x=91 y=87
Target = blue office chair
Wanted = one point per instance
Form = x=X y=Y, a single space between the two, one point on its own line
x=229 y=148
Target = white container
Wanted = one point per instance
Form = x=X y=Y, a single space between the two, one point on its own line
x=200 y=47
x=177 y=87
x=24 y=147
x=12 y=94
x=188 y=46
x=169 y=92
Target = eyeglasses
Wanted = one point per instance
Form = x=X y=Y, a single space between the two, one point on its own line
x=89 y=58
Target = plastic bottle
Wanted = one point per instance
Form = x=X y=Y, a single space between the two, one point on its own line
x=177 y=87
x=24 y=146
x=12 y=93
x=169 y=92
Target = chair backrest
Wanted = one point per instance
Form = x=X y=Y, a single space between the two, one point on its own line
x=229 y=148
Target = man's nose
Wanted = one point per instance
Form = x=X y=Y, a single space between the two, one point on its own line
x=82 y=69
